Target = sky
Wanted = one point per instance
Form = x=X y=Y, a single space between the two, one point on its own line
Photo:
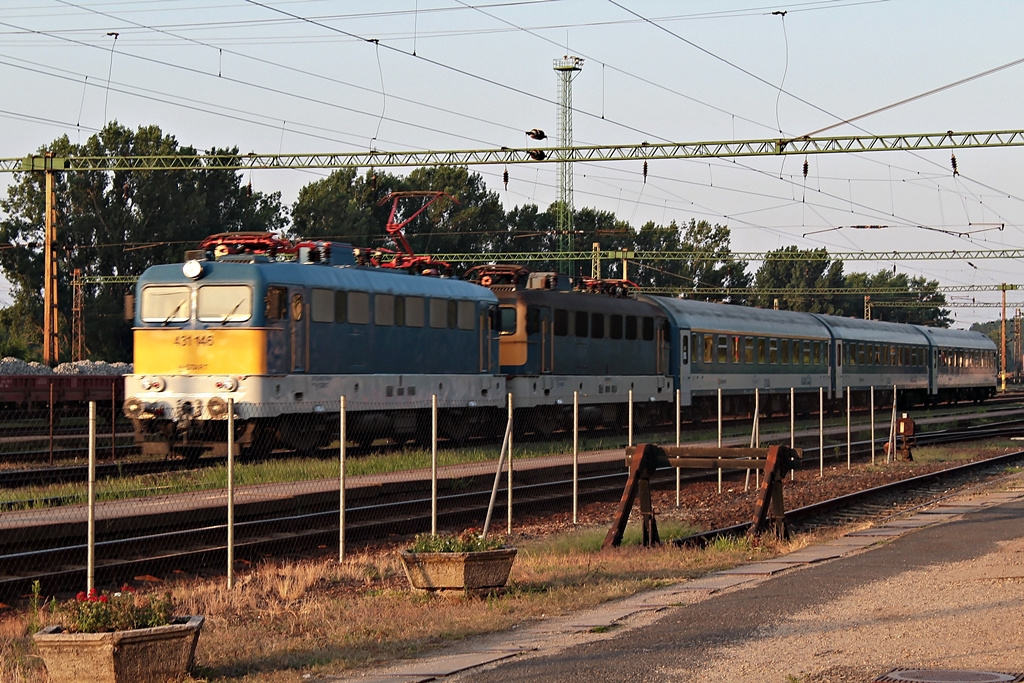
x=317 y=76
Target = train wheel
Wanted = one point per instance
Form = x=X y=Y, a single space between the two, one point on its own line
x=545 y=421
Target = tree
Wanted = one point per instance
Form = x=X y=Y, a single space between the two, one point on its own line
x=344 y=207
x=804 y=270
x=716 y=267
x=905 y=289
x=118 y=223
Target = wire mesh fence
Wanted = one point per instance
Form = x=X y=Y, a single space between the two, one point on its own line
x=168 y=496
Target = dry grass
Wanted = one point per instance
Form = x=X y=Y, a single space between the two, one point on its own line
x=285 y=619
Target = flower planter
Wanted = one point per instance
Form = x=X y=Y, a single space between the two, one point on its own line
x=144 y=655
x=471 y=571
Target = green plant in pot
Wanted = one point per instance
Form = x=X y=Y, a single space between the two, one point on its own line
x=458 y=562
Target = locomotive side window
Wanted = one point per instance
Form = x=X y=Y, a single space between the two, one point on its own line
x=224 y=303
x=453 y=315
x=414 y=311
x=439 y=314
x=597 y=326
x=508 y=319
x=561 y=322
x=467 y=315
x=276 y=308
x=399 y=311
x=631 y=328
x=532 y=320
x=166 y=304
x=321 y=306
x=648 y=329
x=582 y=329
x=358 y=308
x=615 y=326
x=384 y=310
x=341 y=307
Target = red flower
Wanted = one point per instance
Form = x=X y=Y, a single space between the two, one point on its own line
x=81 y=597
x=103 y=598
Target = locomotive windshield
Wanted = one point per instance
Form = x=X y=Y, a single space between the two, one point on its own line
x=224 y=303
x=166 y=304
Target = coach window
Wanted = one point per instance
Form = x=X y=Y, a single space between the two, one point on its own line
x=467 y=315
x=561 y=322
x=631 y=327
x=807 y=352
x=414 y=311
x=761 y=345
x=748 y=350
x=358 y=308
x=773 y=351
x=615 y=326
x=709 y=348
x=723 y=349
x=171 y=304
x=785 y=352
x=224 y=303
x=648 y=329
x=816 y=346
x=321 y=306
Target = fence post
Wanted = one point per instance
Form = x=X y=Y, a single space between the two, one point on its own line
x=509 y=530
x=90 y=571
x=630 y=441
x=872 y=425
x=792 y=426
x=231 y=493
x=678 y=435
x=342 y=435
x=433 y=464
x=849 y=443
x=821 y=431
x=719 y=435
x=575 y=456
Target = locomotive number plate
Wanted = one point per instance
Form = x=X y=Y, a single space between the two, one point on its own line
x=193 y=340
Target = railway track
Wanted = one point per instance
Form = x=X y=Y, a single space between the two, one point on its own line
x=172 y=533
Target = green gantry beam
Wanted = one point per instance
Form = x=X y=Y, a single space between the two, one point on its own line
x=508 y=155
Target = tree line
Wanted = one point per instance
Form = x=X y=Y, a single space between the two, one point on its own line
x=118 y=223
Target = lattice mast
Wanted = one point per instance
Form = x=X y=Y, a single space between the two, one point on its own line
x=567 y=68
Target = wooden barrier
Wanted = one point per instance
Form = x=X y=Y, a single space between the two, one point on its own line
x=645 y=459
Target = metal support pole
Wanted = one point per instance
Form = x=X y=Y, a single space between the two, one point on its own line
x=90 y=572
x=719 y=435
x=630 y=441
x=679 y=482
x=575 y=457
x=342 y=436
x=821 y=431
x=231 y=493
x=849 y=442
x=433 y=464
x=506 y=443
x=509 y=529
x=51 y=422
x=872 y=425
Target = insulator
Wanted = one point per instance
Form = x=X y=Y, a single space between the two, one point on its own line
x=537 y=154
x=807 y=167
x=536 y=134
x=952 y=161
x=504 y=178
x=645 y=172
x=248 y=189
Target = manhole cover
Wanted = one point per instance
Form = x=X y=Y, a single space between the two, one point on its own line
x=947 y=676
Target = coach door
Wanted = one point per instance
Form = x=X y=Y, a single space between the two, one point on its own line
x=299 y=329
x=684 y=368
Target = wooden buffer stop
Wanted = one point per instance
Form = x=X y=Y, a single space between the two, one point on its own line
x=645 y=459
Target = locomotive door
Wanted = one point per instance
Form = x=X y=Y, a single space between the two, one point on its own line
x=547 y=341
x=299 y=328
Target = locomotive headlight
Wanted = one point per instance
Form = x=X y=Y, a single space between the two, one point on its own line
x=217 y=407
x=227 y=384
x=193 y=269
x=135 y=407
x=153 y=383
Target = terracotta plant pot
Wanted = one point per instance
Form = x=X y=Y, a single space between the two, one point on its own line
x=472 y=571
x=143 y=655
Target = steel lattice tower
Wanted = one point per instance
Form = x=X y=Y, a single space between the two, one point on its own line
x=567 y=68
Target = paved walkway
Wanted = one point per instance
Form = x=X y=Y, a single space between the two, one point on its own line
x=934 y=594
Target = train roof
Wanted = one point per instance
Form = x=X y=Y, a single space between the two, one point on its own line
x=580 y=301
x=876 y=331
x=360 y=278
x=701 y=315
x=964 y=339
